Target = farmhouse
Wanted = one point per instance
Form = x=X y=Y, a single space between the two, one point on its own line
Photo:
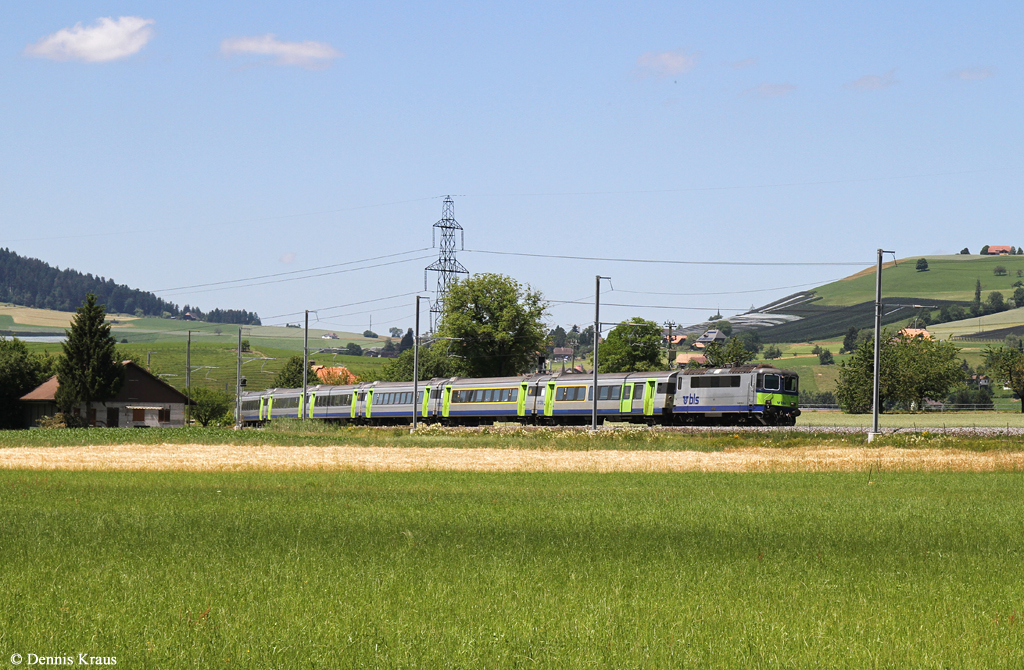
x=713 y=336
x=994 y=250
x=144 y=401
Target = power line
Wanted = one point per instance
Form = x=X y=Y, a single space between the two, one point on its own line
x=321 y=274
x=292 y=272
x=668 y=262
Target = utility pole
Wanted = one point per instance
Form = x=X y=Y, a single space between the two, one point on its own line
x=668 y=345
x=878 y=345
x=305 y=367
x=597 y=336
x=188 y=379
x=416 y=366
x=238 y=383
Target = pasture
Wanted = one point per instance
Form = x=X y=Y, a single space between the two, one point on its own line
x=294 y=570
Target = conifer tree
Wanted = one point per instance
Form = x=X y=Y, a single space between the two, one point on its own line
x=89 y=370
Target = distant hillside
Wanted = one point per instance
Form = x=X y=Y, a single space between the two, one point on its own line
x=33 y=283
x=947 y=278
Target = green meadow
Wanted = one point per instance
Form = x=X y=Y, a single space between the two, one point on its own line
x=947 y=278
x=443 y=570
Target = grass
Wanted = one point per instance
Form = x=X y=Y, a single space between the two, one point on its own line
x=947 y=278
x=214 y=363
x=261 y=570
x=313 y=433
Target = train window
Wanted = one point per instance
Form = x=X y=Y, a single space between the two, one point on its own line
x=571 y=393
x=792 y=384
x=662 y=387
x=489 y=395
x=532 y=392
x=771 y=382
x=638 y=391
x=626 y=391
x=607 y=393
x=435 y=394
x=419 y=398
x=362 y=396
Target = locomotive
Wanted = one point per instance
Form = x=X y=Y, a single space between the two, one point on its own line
x=759 y=395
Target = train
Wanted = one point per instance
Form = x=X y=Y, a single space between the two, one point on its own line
x=760 y=395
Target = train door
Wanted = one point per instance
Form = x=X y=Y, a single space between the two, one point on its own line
x=549 y=400
x=637 y=406
x=446 y=401
x=270 y=407
x=261 y=407
x=426 y=401
x=649 y=390
x=312 y=402
x=352 y=405
x=369 y=403
x=625 y=398
x=521 y=405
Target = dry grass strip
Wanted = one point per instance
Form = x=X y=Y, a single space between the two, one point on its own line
x=406 y=459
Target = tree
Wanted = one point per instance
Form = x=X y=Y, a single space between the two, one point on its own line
x=496 y=325
x=89 y=370
x=20 y=372
x=246 y=346
x=965 y=252
x=633 y=346
x=725 y=327
x=408 y=341
x=995 y=302
x=976 y=306
x=922 y=264
x=211 y=404
x=732 y=353
x=290 y=376
x=850 y=340
x=434 y=362
x=395 y=332
x=353 y=349
x=984 y=250
x=912 y=369
x=825 y=358
x=751 y=340
x=771 y=352
x=999 y=270
x=557 y=337
x=1005 y=365
x=1018 y=297
x=369 y=334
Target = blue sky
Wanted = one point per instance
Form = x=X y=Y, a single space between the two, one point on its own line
x=175 y=144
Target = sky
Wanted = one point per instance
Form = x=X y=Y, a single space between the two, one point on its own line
x=181 y=147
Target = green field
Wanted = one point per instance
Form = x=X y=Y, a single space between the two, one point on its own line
x=214 y=364
x=947 y=278
x=528 y=570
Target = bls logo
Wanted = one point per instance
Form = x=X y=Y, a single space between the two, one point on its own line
x=692 y=399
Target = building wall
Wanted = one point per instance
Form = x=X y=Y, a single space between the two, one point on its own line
x=151 y=416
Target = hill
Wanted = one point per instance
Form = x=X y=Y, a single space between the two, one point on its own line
x=30 y=282
x=830 y=310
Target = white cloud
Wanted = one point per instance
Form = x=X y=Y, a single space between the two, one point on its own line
x=667 y=63
x=873 y=82
x=770 y=90
x=973 y=73
x=305 y=54
x=104 y=41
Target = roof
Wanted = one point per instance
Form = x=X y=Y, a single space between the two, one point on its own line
x=916 y=332
x=683 y=359
x=712 y=335
x=139 y=385
x=44 y=392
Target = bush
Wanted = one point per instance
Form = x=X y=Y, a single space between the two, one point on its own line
x=825 y=358
x=369 y=334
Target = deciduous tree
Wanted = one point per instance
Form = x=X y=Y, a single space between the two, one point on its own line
x=20 y=372
x=911 y=370
x=290 y=376
x=922 y=264
x=496 y=325
x=732 y=353
x=211 y=404
x=1005 y=365
x=633 y=346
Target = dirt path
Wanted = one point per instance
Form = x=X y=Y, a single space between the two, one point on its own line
x=230 y=458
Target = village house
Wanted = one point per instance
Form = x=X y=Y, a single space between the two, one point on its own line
x=144 y=401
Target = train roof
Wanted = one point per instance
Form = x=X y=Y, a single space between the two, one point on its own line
x=760 y=367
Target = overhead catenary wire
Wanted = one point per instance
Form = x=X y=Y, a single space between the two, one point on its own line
x=605 y=259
